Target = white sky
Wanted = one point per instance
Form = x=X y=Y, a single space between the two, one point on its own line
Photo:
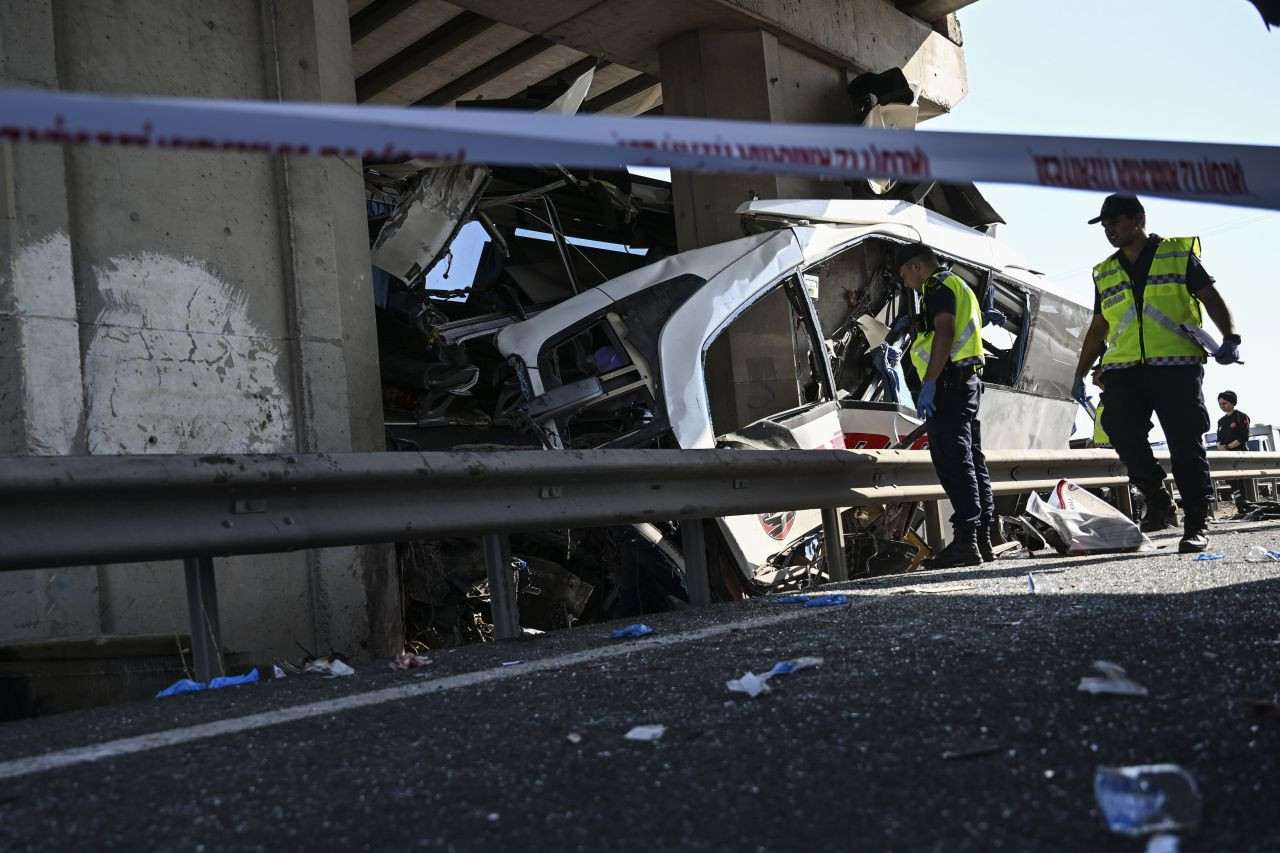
x=1188 y=70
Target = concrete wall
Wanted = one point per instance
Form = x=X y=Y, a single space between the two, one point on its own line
x=165 y=302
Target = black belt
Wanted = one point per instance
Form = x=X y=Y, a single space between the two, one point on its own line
x=955 y=375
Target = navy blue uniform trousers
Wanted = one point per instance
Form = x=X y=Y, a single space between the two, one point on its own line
x=955 y=443
x=1174 y=394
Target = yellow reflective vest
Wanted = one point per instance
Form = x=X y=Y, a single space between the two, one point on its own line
x=1154 y=337
x=966 y=349
x=1100 y=437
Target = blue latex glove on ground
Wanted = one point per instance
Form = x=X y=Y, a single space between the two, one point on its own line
x=1077 y=391
x=993 y=317
x=924 y=406
x=1229 y=352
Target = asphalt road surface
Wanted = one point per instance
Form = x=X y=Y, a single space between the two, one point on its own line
x=473 y=755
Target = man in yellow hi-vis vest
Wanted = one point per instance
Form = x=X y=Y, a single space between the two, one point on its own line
x=948 y=358
x=1145 y=294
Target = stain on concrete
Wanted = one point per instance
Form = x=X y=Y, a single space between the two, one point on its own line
x=175 y=355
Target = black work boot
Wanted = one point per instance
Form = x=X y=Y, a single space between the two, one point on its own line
x=984 y=543
x=963 y=551
x=1195 y=529
x=1161 y=513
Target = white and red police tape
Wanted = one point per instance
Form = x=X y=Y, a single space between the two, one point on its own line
x=1246 y=175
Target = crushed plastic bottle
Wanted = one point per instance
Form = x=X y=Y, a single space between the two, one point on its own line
x=1147 y=798
x=1258 y=554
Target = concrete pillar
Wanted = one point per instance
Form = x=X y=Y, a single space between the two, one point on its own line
x=746 y=75
x=190 y=302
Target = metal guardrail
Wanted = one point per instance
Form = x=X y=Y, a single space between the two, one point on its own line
x=66 y=511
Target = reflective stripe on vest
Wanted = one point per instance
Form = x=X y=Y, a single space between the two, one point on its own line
x=967 y=347
x=1100 y=438
x=1155 y=336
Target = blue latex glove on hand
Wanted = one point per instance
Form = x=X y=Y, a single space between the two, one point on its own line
x=1229 y=352
x=925 y=407
x=899 y=327
x=1077 y=391
x=993 y=317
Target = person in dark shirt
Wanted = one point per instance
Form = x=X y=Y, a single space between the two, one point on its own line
x=1233 y=427
x=1233 y=434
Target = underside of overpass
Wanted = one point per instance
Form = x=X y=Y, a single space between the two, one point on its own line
x=434 y=53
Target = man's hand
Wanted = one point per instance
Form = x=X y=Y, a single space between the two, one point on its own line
x=1229 y=352
x=899 y=327
x=925 y=407
x=1077 y=391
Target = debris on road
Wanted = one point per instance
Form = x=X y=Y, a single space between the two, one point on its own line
x=1164 y=843
x=187 y=685
x=1113 y=682
x=276 y=671
x=1147 y=798
x=1258 y=554
x=935 y=589
x=632 y=632
x=1043 y=586
x=574 y=737
x=811 y=600
x=1085 y=523
x=976 y=751
x=753 y=685
x=409 y=660
x=646 y=733
x=328 y=667
x=1203 y=557
x=512 y=662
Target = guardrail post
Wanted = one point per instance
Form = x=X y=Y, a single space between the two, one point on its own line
x=502 y=588
x=933 y=525
x=1251 y=490
x=694 y=545
x=202 y=609
x=833 y=545
x=1124 y=499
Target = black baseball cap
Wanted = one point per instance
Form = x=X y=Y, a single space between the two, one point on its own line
x=909 y=252
x=1118 y=204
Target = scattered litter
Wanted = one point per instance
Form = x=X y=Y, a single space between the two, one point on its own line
x=328 y=667
x=1147 y=798
x=531 y=632
x=753 y=685
x=186 y=685
x=250 y=677
x=1113 y=682
x=646 y=733
x=1266 y=709
x=1085 y=523
x=1258 y=554
x=631 y=632
x=934 y=589
x=750 y=684
x=276 y=671
x=810 y=600
x=409 y=660
x=1164 y=843
x=1010 y=624
x=1202 y=557
x=183 y=685
x=1043 y=586
x=574 y=737
x=512 y=662
x=975 y=751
